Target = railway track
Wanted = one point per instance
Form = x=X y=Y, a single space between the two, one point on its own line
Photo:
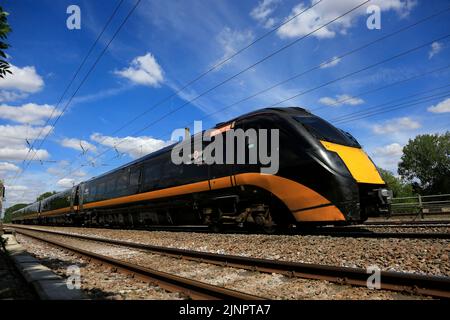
x=194 y=289
x=435 y=286
x=408 y=223
x=355 y=231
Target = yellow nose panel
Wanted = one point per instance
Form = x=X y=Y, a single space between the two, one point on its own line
x=358 y=163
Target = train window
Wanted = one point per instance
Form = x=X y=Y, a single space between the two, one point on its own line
x=134 y=177
x=100 y=190
x=92 y=192
x=172 y=174
x=152 y=174
x=110 y=185
x=122 y=180
x=322 y=130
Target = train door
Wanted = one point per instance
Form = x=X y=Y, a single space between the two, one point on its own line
x=246 y=149
x=224 y=200
x=220 y=171
x=38 y=210
x=80 y=191
x=135 y=181
x=72 y=199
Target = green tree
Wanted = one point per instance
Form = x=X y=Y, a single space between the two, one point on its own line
x=398 y=187
x=4 y=30
x=426 y=163
x=10 y=210
x=45 y=195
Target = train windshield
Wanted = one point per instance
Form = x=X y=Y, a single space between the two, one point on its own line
x=322 y=130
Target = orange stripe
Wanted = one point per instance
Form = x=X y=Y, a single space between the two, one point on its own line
x=330 y=213
x=30 y=215
x=164 y=193
x=55 y=212
x=221 y=183
x=295 y=195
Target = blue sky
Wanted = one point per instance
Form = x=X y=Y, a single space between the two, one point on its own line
x=165 y=44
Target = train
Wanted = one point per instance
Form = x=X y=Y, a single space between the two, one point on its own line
x=324 y=177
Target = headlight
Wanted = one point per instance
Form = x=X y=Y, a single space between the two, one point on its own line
x=337 y=163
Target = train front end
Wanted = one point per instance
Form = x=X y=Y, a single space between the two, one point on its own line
x=345 y=174
x=369 y=195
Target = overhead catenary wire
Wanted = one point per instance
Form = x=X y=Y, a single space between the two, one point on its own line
x=216 y=66
x=116 y=9
x=361 y=70
x=340 y=101
x=414 y=77
x=322 y=85
x=99 y=57
x=397 y=107
x=87 y=75
x=365 y=110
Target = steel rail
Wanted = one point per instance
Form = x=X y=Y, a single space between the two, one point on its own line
x=435 y=286
x=411 y=222
x=378 y=235
x=194 y=289
x=406 y=226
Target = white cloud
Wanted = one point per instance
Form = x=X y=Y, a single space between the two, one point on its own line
x=144 y=70
x=341 y=99
x=16 y=194
x=18 y=135
x=8 y=170
x=7 y=153
x=135 y=147
x=324 y=12
x=62 y=168
x=20 y=83
x=79 y=173
x=99 y=95
x=79 y=145
x=441 y=107
x=6 y=166
x=56 y=171
x=332 y=62
x=66 y=183
x=262 y=12
x=29 y=186
x=390 y=150
x=13 y=142
x=231 y=41
x=30 y=113
x=436 y=47
x=6 y=95
x=17 y=188
x=388 y=156
x=396 y=125
x=23 y=79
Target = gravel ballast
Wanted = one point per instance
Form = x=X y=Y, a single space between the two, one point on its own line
x=424 y=256
x=272 y=286
x=97 y=282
